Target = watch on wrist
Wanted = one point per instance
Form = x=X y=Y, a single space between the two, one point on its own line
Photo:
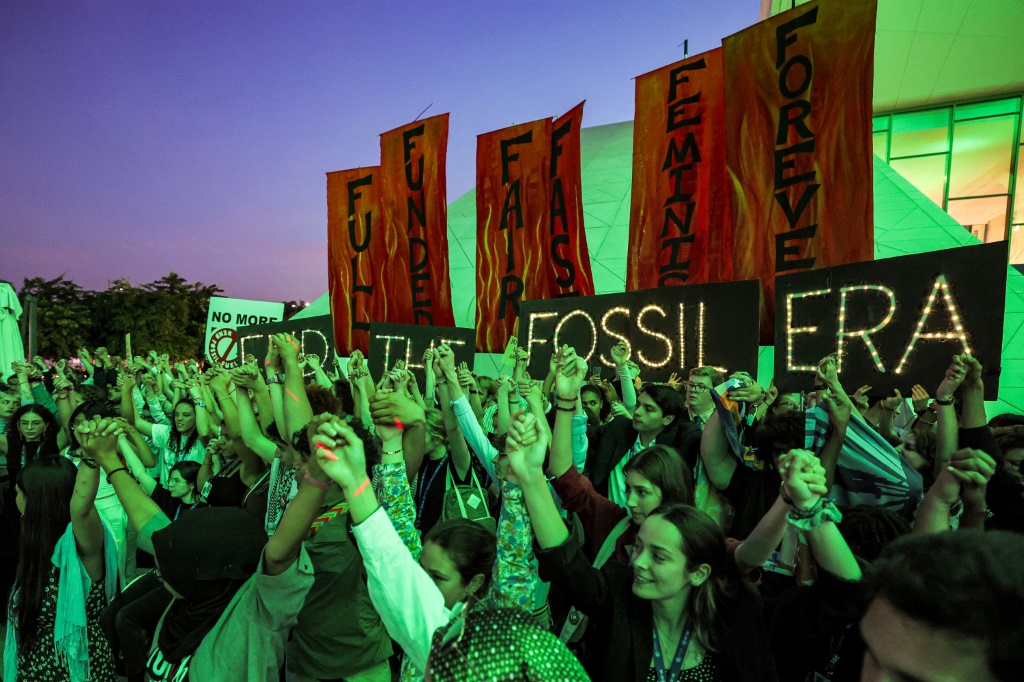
x=199 y=403
x=945 y=402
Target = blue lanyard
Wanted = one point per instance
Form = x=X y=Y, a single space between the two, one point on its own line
x=194 y=505
x=425 y=490
x=677 y=663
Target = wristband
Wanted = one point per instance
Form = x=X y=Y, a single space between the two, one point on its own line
x=815 y=516
x=276 y=379
x=440 y=382
x=945 y=403
x=361 y=489
x=111 y=473
x=565 y=409
x=199 y=403
x=474 y=391
x=315 y=483
x=568 y=400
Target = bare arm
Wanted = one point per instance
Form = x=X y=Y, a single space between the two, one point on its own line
x=85 y=521
x=714 y=451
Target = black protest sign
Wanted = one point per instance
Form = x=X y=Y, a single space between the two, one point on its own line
x=392 y=342
x=314 y=334
x=668 y=329
x=895 y=322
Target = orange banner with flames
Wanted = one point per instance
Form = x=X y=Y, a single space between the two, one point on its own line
x=569 y=262
x=359 y=256
x=512 y=227
x=799 y=157
x=415 y=209
x=678 y=227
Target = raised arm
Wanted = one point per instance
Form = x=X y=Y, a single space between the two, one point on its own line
x=714 y=451
x=946 y=426
x=134 y=464
x=804 y=485
x=138 y=505
x=283 y=547
x=840 y=411
x=85 y=520
x=297 y=410
x=224 y=395
x=620 y=356
x=456 y=443
x=973 y=413
x=252 y=436
x=569 y=379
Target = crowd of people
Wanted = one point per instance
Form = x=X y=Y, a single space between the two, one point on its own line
x=292 y=521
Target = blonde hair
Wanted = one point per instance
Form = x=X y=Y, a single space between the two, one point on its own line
x=435 y=425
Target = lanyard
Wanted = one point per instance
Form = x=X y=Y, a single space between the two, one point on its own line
x=423 y=495
x=677 y=663
x=180 y=505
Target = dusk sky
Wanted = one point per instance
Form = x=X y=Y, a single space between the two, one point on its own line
x=144 y=137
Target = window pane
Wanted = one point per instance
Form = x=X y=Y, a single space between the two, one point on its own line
x=993 y=108
x=922 y=132
x=879 y=123
x=985 y=218
x=981 y=157
x=1017 y=245
x=927 y=173
x=1018 y=202
x=880 y=140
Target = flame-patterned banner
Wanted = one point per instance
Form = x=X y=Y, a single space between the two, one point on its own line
x=414 y=202
x=798 y=121
x=359 y=256
x=570 y=258
x=512 y=227
x=678 y=223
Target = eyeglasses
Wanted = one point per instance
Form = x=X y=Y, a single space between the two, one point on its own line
x=696 y=388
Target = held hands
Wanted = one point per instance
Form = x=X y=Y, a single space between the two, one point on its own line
x=389 y=407
x=974 y=369
x=966 y=477
x=839 y=408
x=571 y=375
x=466 y=380
x=803 y=478
x=620 y=353
x=386 y=428
x=446 y=359
x=505 y=385
x=527 y=446
x=339 y=452
x=98 y=438
x=827 y=372
x=287 y=347
x=955 y=375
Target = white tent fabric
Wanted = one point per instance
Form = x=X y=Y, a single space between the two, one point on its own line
x=11 y=348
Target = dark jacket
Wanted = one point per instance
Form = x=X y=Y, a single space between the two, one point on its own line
x=610 y=442
x=620 y=635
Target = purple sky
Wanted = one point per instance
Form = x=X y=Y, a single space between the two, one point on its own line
x=140 y=138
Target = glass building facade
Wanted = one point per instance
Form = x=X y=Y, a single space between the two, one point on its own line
x=967 y=158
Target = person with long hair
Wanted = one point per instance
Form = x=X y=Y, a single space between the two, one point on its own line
x=461 y=566
x=654 y=476
x=31 y=433
x=66 y=574
x=186 y=436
